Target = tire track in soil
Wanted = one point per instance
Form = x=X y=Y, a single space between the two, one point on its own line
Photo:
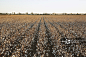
x=34 y=42
x=17 y=41
x=49 y=45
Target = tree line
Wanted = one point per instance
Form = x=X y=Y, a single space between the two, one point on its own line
x=13 y=13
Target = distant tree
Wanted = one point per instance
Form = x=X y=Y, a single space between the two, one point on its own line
x=9 y=13
x=65 y=13
x=0 y=13
x=35 y=13
x=6 y=13
x=71 y=13
x=19 y=13
x=53 y=13
x=45 y=13
x=14 y=13
x=26 y=13
x=85 y=14
x=31 y=13
x=77 y=14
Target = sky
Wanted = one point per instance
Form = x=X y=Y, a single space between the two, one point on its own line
x=43 y=6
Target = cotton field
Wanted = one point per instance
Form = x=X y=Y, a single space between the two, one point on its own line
x=42 y=36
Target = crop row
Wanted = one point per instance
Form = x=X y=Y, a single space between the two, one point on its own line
x=43 y=37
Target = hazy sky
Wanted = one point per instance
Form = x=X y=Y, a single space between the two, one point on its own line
x=43 y=6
